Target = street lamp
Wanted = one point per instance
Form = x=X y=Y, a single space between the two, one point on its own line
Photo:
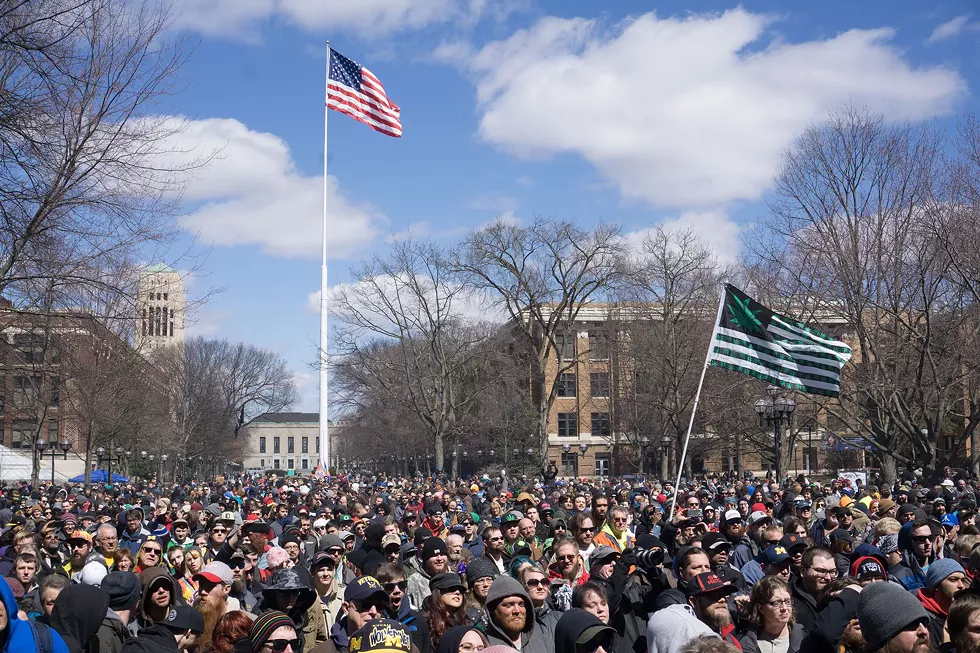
x=775 y=412
x=108 y=456
x=42 y=444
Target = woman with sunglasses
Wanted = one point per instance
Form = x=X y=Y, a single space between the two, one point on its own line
x=535 y=581
x=770 y=613
x=444 y=608
x=150 y=554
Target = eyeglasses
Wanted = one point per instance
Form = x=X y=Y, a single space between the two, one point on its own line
x=495 y=539
x=390 y=587
x=455 y=590
x=280 y=645
x=620 y=520
x=155 y=552
x=364 y=606
x=219 y=531
x=536 y=582
x=559 y=528
x=569 y=557
x=830 y=573
x=587 y=529
x=471 y=648
x=334 y=552
x=784 y=603
x=920 y=539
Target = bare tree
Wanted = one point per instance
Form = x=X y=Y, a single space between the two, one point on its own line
x=670 y=293
x=848 y=242
x=87 y=179
x=216 y=387
x=403 y=335
x=543 y=274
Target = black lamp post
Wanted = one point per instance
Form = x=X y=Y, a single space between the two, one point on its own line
x=582 y=449
x=42 y=444
x=775 y=411
x=107 y=456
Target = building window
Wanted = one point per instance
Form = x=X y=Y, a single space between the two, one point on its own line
x=262 y=444
x=165 y=296
x=25 y=391
x=602 y=464
x=55 y=391
x=30 y=346
x=289 y=463
x=306 y=464
x=566 y=346
x=275 y=464
x=306 y=444
x=275 y=445
x=567 y=425
x=599 y=384
x=22 y=435
x=318 y=445
x=569 y=464
x=144 y=321
x=262 y=462
x=600 y=424
x=598 y=345
x=566 y=384
x=291 y=444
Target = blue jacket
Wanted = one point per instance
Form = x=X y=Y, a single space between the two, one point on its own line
x=476 y=546
x=20 y=638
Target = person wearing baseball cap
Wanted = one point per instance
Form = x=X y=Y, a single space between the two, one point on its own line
x=708 y=595
x=79 y=546
x=719 y=549
x=364 y=600
x=733 y=528
x=795 y=546
x=178 y=630
x=776 y=562
x=381 y=636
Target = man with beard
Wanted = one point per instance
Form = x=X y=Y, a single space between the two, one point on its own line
x=734 y=530
x=213 y=587
x=435 y=560
x=893 y=621
x=964 y=624
x=708 y=595
x=944 y=580
x=511 y=619
x=240 y=590
x=494 y=548
x=53 y=556
x=79 y=548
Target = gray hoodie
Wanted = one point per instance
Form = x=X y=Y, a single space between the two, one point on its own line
x=534 y=638
x=674 y=627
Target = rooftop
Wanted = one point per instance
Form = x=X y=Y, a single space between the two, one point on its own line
x=158 y=268
x=292 y=418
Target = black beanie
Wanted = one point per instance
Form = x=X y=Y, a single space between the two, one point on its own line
x=433 y=547
x=373 y=535
x=421 y=535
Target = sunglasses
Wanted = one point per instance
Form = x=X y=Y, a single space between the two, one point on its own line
x=364 y=606
x=155 y=552
x=280 y=645
x=587 y=529
x=536 y=582
x=494 y=539
x=919 y=539
x=390 y=587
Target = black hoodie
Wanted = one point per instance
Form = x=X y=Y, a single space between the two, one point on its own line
x=156 y=638
x=452 y=637
x=571 y=626
x=77 y=616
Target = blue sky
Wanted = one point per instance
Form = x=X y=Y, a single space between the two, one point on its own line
x=639 y=114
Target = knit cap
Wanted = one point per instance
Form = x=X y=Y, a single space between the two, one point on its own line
x=433 y=547
x=884 y=610
x=266 y=624
x=480 y=568
x=940 y=570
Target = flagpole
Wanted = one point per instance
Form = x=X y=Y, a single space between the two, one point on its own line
x=324 y=331
x=694 y=408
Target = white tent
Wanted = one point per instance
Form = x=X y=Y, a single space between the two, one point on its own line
x=16 y=466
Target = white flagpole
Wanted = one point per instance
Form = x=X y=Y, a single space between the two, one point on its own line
x=324 y=331
x=694 y=408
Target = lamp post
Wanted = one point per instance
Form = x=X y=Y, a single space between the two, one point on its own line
x=582 y=449
x=42 y=444
x=644 y=444
x=163 y=465
x=775 y=411
x=103 y=454
x=529 y=458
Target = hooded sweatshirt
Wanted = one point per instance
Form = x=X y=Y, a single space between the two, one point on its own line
x=571 y=626
x=78 y=613
x=452 y=637
x=672 y=628
x=909 y=572
x=534 y=639
x=20 y=636
x=148 y=577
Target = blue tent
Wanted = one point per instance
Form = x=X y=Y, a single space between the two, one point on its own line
x=99 y=476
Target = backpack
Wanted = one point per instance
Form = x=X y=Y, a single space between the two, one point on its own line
x=42 y=637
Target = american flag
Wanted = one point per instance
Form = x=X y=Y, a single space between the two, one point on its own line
x=354 y=90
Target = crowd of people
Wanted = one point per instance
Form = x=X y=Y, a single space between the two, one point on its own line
x=370 y=563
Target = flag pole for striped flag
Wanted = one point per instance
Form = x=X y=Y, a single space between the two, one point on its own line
x=694 y=408
x=324 y=387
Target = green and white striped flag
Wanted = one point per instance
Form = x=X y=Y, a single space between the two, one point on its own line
x=751 y=339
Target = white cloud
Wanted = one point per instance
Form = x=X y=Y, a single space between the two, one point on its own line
x=243 y=19
x=948 y=29
x=206 y=322
x=250 y=193
x=714 y=228
x=491 y=201
x=686 y=112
